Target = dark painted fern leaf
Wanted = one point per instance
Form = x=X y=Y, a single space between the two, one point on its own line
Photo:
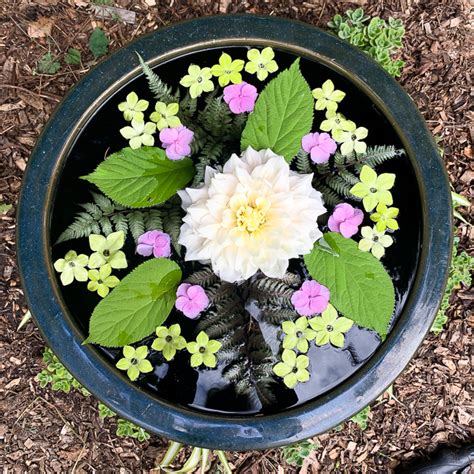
x=159 y=89
x=172 y=220
x=103 y=216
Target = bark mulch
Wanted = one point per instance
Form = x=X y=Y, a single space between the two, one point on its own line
x=46 y=431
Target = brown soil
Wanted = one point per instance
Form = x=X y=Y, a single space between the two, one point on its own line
x=43 y=431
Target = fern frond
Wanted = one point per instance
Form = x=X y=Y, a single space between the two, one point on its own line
x=83 y=226
x=342 y=187
x=349 y=177
x=330 y=197
x=379 y=154
x=120 y=222
x=106 y=225
x=302 y=162
x=159 y=89
x=205 y=277
x=153 y=219
x=275 y=315
x=172 y=221
x=136 y=223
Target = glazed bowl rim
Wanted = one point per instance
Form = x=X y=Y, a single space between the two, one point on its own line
x=189 y=426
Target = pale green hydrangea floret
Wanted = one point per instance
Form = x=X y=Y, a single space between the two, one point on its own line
x=327 y=97
x=133 y=107
x=71 y=267
x=261 y=63
x=351 y=140
x=198 y=80
x=385 y=217
x=169 y=341
x=203 y=350
x=293 y=368
x=165 y=115
x=330 y=328
x=336 y=121
x=228 y=70
x=297 y=334
x=134 y=362
x=373 y=189
x=374 y=241
x=107 y=250
x=139 y=133
x=102 y=280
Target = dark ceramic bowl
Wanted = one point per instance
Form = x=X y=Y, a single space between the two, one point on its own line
x=427 y=200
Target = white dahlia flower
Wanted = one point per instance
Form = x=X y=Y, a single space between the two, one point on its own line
x=255 y=215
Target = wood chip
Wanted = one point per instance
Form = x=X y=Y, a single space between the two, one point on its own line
x=40 y=28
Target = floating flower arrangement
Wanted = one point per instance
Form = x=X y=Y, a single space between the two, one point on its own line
x=244 y=173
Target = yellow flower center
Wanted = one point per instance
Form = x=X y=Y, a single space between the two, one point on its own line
x=250 y=218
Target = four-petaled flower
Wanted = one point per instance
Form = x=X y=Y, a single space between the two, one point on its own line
x=107 y=250
x=297 y=334
x=228 y=70
x=346 y=220
x=133 y=108
x=154 y=242
x=191 y=300
x=373 y=189
x=71 y=267
x=134 y=361
x=140 y=133
x=330 y=328
x=351 y=140
x=374 y=241
x=292 y=369
x=261 y=62
x=311 y=298
x=240 y=97
x=198 y=80
x=320 y=146
x=336 y=121
x=165 y=115
x=203 y=350
x=169 y=340
x=101 y=280
x=327 y=97
x=385 y=217
x=176 y=142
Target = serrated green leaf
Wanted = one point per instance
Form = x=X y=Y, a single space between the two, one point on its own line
x=283 y=114
x=98 y=43
x=73 y=56
x=48 y=64
x=142 y=177
x=361 y=288
x=141 y=302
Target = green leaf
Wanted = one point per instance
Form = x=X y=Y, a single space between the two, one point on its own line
x=98 y=43
x=361 y=288
x=283 y=114
x=48 y=65
x=142 y=177
x=73 y=56
x=141 y=302
x=4 y=208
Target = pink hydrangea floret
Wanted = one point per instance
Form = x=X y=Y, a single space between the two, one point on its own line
x=240 y=97
x=320 y=146
x=154 y=242
x=346 y=220
x=176 y=142
x=191 y=300
x=311 y=298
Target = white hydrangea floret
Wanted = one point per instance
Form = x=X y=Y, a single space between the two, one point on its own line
x=255 y=215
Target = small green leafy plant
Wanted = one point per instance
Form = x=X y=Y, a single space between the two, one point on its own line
x=361 y=418
x=460 y=273
x=98 y=43
x=295 y=454
x=380 y=39
x=4 y=208
x=48 y=64
x=58 y=377
x=73 y=56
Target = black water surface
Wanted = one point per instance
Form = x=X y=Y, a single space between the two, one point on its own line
x=206 y=389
